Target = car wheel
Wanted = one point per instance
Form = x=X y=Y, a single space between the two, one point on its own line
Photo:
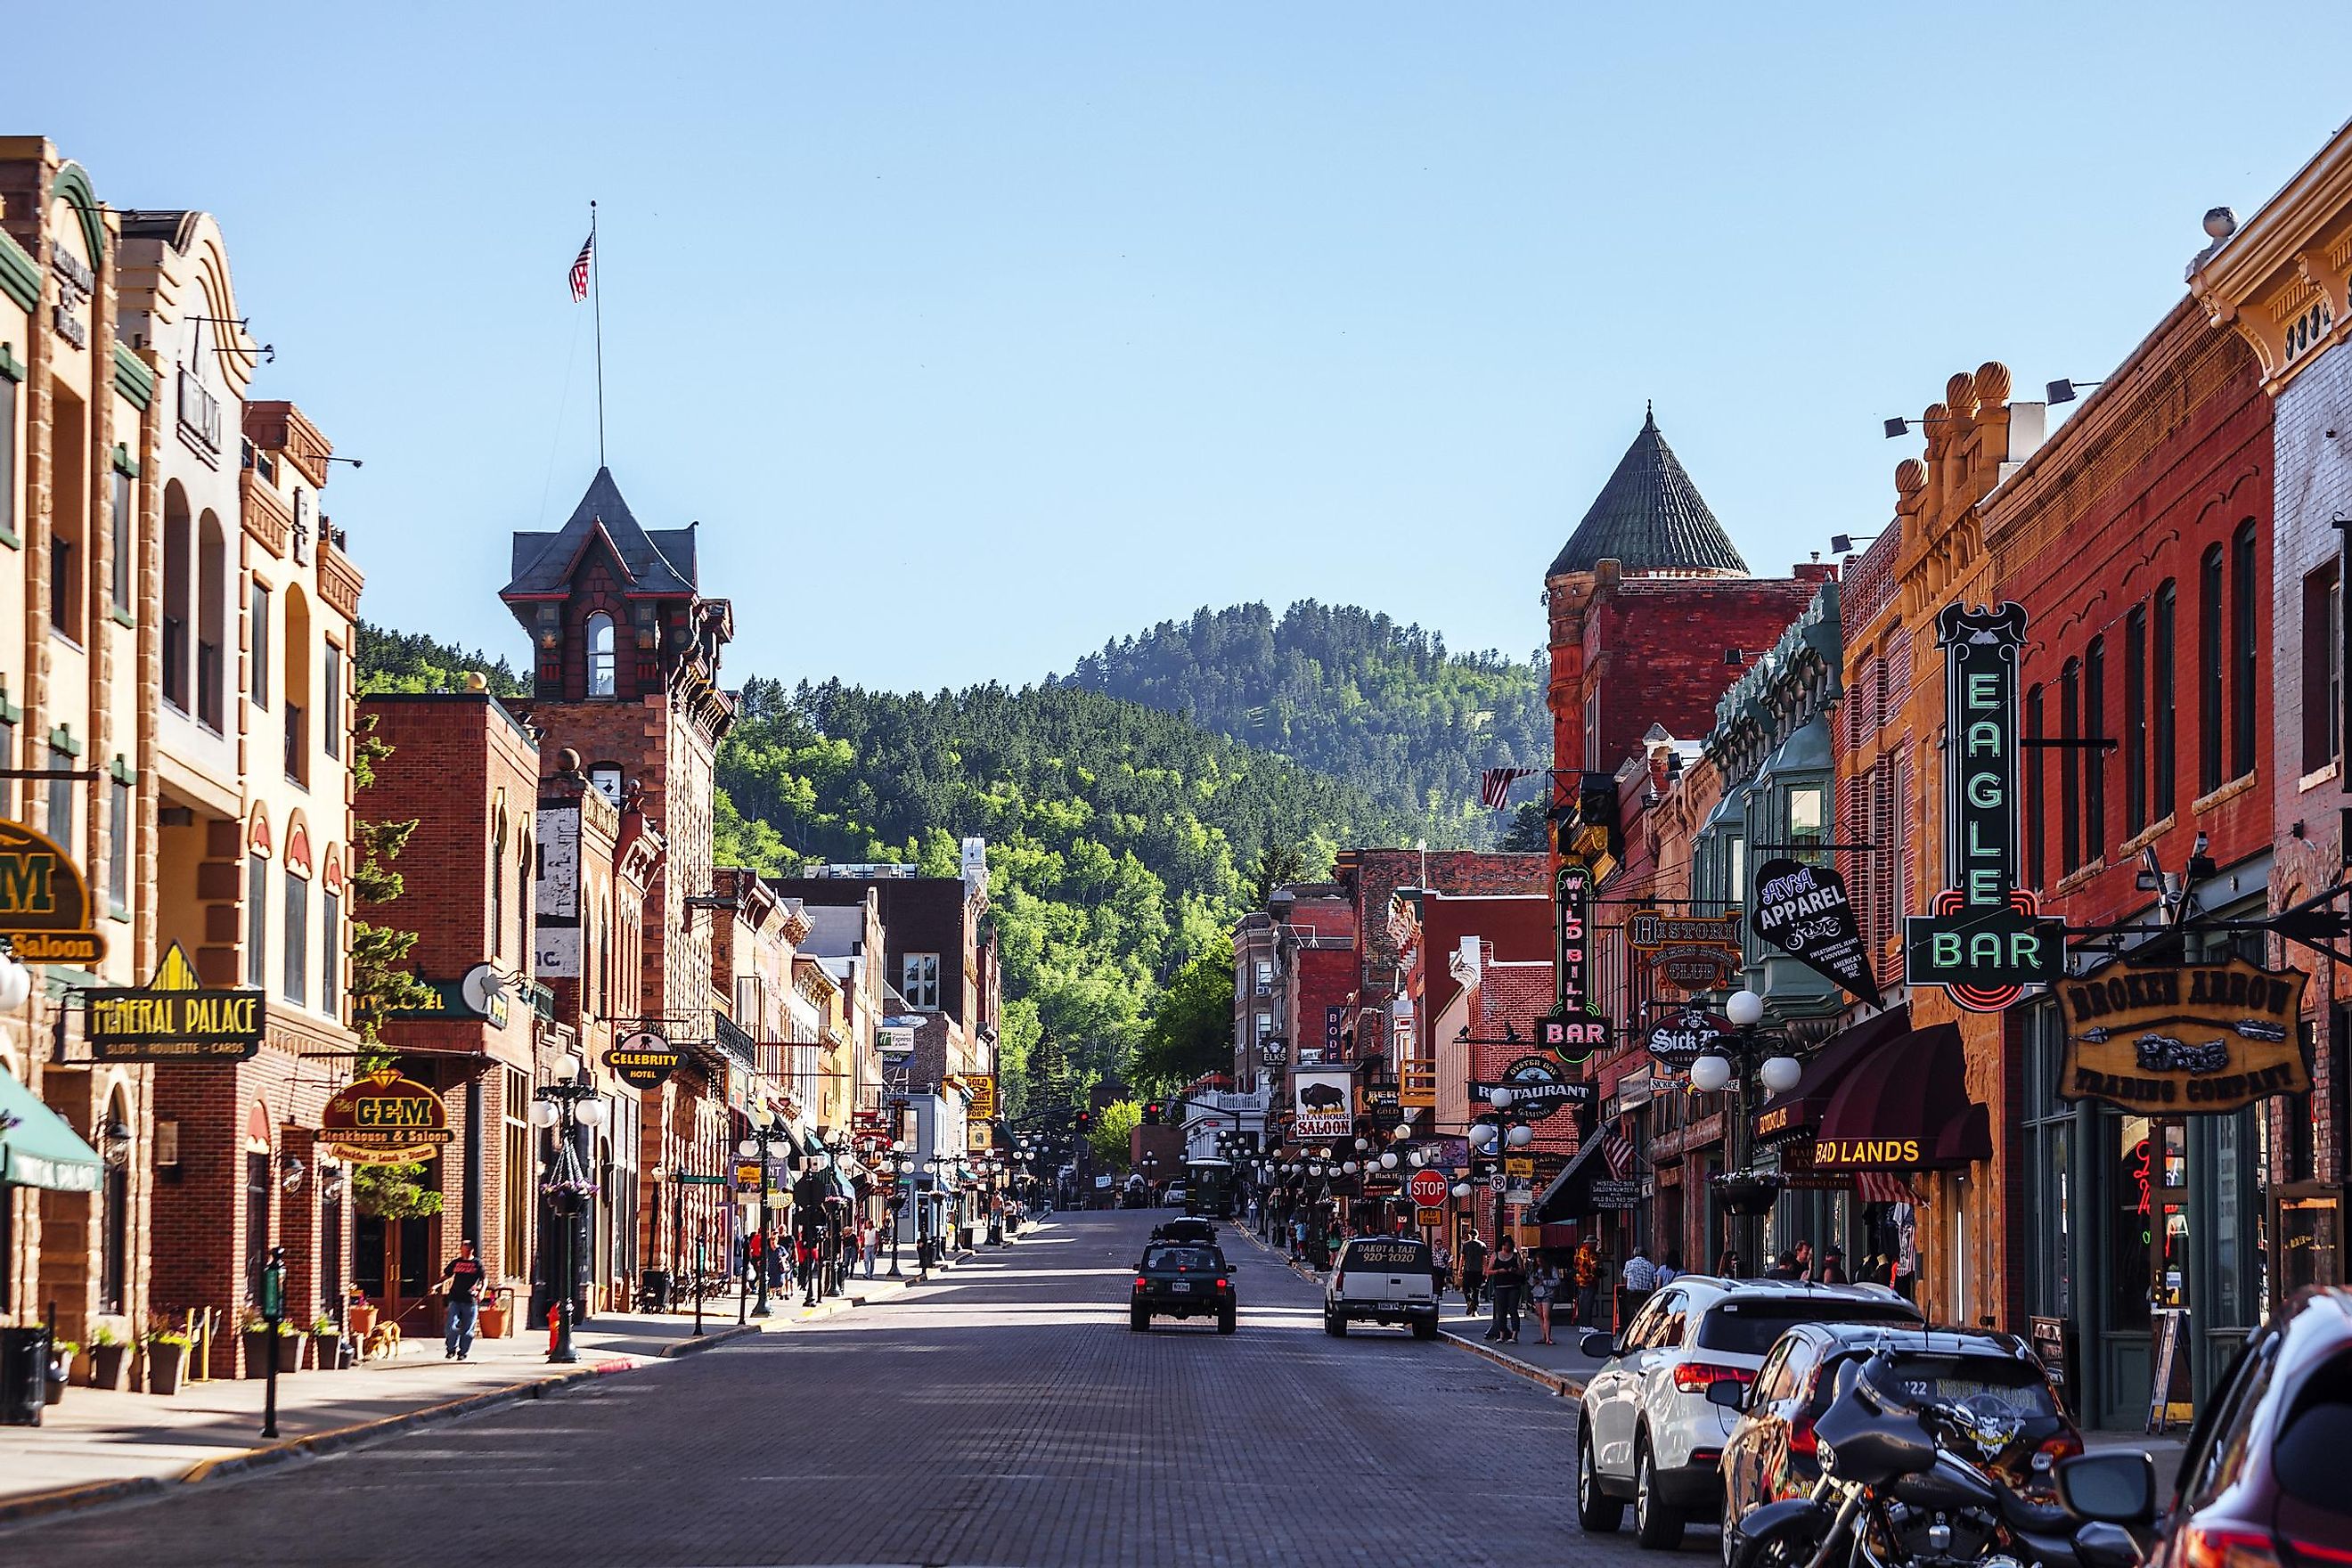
x=1229 y=1320
x=1731 y=1521
x=1139 y=1320
x=1597 y=1513
x=1656 y=1526
x=1425 y=1331
x=1335 y=1325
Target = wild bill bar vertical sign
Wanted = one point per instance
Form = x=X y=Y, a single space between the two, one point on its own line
x=1985 y=941
x=1575 y=1027
x=1803 y=910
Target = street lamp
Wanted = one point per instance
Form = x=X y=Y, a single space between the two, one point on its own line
x=566 y=1105
x=1776 y=1074
x=766 y=1132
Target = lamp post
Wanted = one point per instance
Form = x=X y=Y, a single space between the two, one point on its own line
x=567 y=1105
x=273 y=1313
x=765 y=1133
x=902 y=1189
x=1776 y=1074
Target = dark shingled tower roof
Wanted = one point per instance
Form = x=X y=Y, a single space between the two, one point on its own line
x=1651 y=519
x=656 y=560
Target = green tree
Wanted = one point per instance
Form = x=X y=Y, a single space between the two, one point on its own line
x=1190 y=1029
x=382 y=985
x=1530 y=829
x=1110 y=1137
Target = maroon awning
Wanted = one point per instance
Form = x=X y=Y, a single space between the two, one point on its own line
x=1798 y=1113
x=1906 y=1107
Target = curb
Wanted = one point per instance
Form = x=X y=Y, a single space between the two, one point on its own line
x=73 y=1500
x=710 y=1340
x=1560 y=1383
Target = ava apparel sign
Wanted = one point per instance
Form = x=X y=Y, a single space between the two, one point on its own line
x=1803 y=910
x=1575 y=1027
x=1689 y=952
x=384 y=1120
x=2196 y=1039
x=173 y=1019
x=45 y=911
x=1985 y=941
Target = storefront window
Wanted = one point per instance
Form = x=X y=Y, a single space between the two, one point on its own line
x=2131 y=1232
x=2172 y=1194
x=2236 y=1225
x=2049 y=1145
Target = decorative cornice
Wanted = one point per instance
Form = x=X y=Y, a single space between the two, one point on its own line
x=339 y=582
x=20 y=275
x=133 y=377
x=71 y=184
x=2298 y=247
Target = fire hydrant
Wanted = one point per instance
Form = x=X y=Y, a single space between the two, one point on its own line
x=554 y=1326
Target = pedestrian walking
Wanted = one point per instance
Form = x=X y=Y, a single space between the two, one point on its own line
x=1441 y=1270
x=1729 y=1266
x=1833 y=1267
x=1587 y=1269
x=1641 y=1274
x=1474 y=1273
x=1670 y=1268
x=461 y=1285
x=1506 y=1274
x=996 y=1219
x=1543 y=1287
x=869 y=1242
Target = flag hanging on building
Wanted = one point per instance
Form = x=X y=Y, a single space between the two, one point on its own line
x=1618 y=1150
x=580 y=269
x=1497 y=789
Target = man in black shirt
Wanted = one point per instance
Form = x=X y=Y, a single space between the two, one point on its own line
x=461 y=1282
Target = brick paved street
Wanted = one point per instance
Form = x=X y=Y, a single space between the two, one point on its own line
x=1006 y=1416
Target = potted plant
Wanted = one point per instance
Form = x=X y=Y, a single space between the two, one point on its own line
x=108 y=1353
x=61 y=1360
x=167 y=1358
x=358 y=1314
x=253 y=1333
x=290 y=1349
x=326 y=1344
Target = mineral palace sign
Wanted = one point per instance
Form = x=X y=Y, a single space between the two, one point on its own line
x=174 y=1019
x=2196 y=1038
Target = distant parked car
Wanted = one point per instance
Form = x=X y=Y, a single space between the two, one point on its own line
x=1646 y=1432
x=1382 y=1279
x=2262 y=1480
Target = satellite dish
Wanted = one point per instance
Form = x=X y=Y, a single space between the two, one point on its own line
x=485 y=990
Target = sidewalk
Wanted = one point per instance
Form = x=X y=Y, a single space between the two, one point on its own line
x=98 y=1445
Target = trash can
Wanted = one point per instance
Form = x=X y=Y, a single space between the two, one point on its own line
x=24 y=1376
x=653 y=1290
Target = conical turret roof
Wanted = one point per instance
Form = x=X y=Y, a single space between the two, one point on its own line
x=1651 y=519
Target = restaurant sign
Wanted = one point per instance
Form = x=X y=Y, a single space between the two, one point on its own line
x=1803 y=910
x=643 y=1059
x=1985 y=941
x=1693 y=952
x=45 y=910
x=1575 y=1027
x=173 y=1019
x=2184 y=1040
x=1538 y=1086
x=384 y=1119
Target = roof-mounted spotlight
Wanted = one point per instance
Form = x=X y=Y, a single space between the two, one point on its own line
x=2065 y=391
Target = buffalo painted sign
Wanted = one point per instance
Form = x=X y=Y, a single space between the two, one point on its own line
x=1985 y=941
x=1692 y=953
x=1537 y=1089
x=642 y=1060
x=174 y=1019
x=384 y=1120
x=1803 y=910
x=1323 y=1104
x=2185 y=1040
x=1687 y=1035
x=45 y=911
x=1575 y=1027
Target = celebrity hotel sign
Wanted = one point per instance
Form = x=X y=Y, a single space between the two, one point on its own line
x=1984 y=942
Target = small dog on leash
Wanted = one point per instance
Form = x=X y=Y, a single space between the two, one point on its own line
x=383 y=1342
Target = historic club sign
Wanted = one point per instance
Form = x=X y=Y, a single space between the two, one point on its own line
x=2183 y=1040
x=1985 y=941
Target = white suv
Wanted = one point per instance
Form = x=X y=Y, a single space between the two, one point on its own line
x=1382 y=1279
x=1645 y=1432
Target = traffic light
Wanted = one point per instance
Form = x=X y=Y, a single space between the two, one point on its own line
x=1085 y=1123
x=1152 y=1113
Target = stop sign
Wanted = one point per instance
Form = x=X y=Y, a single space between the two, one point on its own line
x=1428 y=1189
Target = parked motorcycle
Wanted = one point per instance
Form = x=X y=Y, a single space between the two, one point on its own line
x=1906 y=1484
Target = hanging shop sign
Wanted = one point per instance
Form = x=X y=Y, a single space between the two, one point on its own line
x=1537 y=1089
x=983 y=1107
x=1321 y=1102
x=1985 y=941
x=173 y=1019
x=1274 y=1050
x=1575 y=1028
x=1803 y=910
x=1687 y=1035
x=1383 y=1103
x=1692 y=953
x=642 y=1060
x=384 y=1120
x=1334 y=1045
x=45 y=910
x=2186 y=1040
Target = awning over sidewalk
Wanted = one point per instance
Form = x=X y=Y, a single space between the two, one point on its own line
x=1569 y=1194
x=1906 y=1107
x=37 y=1149
x=1799 y=1113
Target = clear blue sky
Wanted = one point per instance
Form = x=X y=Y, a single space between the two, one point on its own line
x=975 y=334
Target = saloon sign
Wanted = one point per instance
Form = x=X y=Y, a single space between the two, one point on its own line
x=2196 y=1038
x=45 y=914
x=384 y=1120
x=174 y=1019
x=1687 y=1035
x=1574 y=1028
x=1985 y=941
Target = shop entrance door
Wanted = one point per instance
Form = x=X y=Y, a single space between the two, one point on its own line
x=393 y=1263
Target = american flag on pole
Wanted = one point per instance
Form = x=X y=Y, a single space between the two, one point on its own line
x=1618 y=1150
x=580 y=269
x=1496 y=791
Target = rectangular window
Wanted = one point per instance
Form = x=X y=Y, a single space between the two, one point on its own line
x=297 y=742
x=919 y=984
x=119 y=830
x=2245 y=653
x=2323 y=678
x=60 y=824
x=298 y=938
x=2209 y=662
x=258 y=640
x=2070 y=766
x=2136 y=720
x=8 y=455
x=522 y=1177
x=2095 y=759
x=331 y=703
x=62 y=564
x=2160 y=727
x=1808 y=814
x=330 y=954
x=256 y=922
x=122 y=563
x=2037 y=827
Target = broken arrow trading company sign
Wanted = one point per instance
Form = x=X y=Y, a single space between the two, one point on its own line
x=1803 y=910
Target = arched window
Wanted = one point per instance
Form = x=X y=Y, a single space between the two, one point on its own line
x=498 y=887
x=2037 y=830
x=2070 y=767
x=2136 y=720
x=179 y=594
x=2160 y=643
x=2245 y=650
x=114 y=1230
x=211 y=616
x=600 y=655
x=2094 y=724
x=2209 y=662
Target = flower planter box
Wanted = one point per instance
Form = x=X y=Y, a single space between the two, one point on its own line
x=165 y=1363
x=108 y=1365
x=290 y=1353
x=327 y=1352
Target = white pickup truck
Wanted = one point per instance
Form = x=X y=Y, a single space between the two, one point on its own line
x=1382 y=1279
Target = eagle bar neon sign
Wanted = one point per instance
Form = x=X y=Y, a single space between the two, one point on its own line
x=1985 y=941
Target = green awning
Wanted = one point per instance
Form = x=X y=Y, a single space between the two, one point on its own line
x=37 y=1149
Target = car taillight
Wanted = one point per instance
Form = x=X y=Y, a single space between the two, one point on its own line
x=1140 y=1282
x=1693 y=1376
x=2210 y=1546
x=1223 y=1284
x=1339 y=1283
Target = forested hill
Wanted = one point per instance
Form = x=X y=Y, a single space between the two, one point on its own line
x=1385 y=707
x=1123 y=842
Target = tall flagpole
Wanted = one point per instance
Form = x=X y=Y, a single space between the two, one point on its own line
x=596 y=294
